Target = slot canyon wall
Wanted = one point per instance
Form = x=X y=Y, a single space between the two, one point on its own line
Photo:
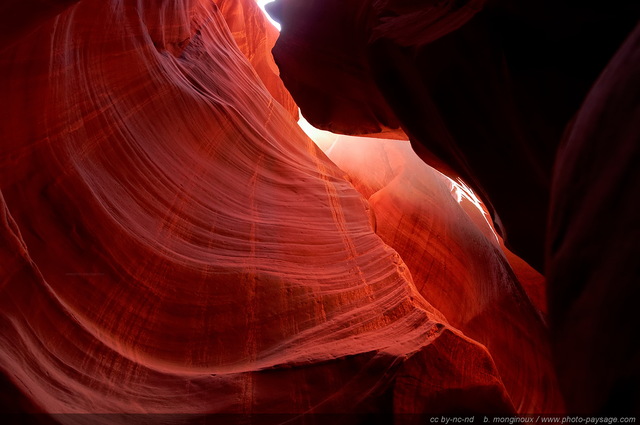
x=535 y=106
x=172 y=242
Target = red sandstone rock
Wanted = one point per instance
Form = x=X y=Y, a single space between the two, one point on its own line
x=455 y=257
x=255 y=37
x=487 y=99
x=483 y=95
x=172 y=242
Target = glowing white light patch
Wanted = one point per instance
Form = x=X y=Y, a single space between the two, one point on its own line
x=460 y=191
x=324 y=139
x=261 y=3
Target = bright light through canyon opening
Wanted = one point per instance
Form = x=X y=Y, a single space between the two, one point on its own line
x=262 y=3
x=326 y=140
x=177 y=247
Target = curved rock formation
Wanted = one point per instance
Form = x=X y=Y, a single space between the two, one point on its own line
x=445 y=237
x=172 y=242
x=255 y=37
x=483 y=89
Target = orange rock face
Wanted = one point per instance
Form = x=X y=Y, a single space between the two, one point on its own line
x=255 y=38
x=172 y=242
x=484 y=90
x=457 y=262
x=517 y=99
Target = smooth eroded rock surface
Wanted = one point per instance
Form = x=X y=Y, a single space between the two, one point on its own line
x=444 y=234
x=484 y=90
x=172 y=242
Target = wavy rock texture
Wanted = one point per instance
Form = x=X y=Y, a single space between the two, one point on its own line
x=484 y=90
x=255 y=38
x=173 y=242
x=445 y=237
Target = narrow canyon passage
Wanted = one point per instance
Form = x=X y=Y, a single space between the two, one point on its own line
x=177 y=242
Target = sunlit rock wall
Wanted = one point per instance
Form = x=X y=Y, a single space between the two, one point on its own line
x=483 y=89
x=526 y=103
x=444 y=235
x=172 y=242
